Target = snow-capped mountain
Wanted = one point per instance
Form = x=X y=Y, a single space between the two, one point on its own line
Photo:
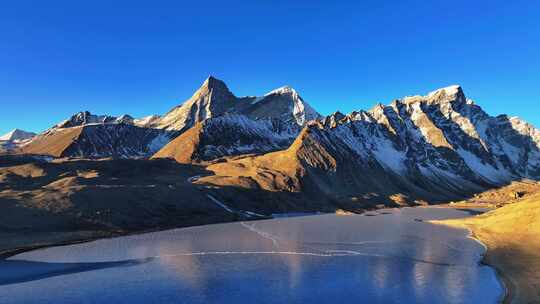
x=438 y=143
x=14 y=139
x=284 y=104
x=87 y=135
x=440 y=146
x=17 y=135
x=214 y=99
x=95 y=140
x=87 y=118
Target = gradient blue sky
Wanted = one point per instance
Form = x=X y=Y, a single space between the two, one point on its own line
x=144 y=57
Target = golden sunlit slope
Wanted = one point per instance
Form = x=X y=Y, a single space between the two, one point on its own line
x=53 y=143
x=183 y=147
x=512 y=235
x=320 y=167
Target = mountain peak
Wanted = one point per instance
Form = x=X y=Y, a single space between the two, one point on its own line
x=449 y=94
x=282 y=91
x=212 y=83
x=85 y=118
x=283 y=102
x=17 y=134
x=449 y=90
x=212 y=99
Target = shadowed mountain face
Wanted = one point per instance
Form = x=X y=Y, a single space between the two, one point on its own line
x=100 y=140
x=105 y=195
x=229 y=135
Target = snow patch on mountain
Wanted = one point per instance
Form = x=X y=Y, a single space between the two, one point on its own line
x=388 y=156
x=158 y=142
x=490 y=173
x=449 y=90
x=283 y=90
x=147 y=121
x=17 y=135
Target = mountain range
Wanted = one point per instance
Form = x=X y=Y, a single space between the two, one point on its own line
x=415 y=150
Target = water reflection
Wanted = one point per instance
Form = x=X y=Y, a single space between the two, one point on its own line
x=321 y=259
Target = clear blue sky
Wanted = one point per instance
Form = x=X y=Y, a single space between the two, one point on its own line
x=144 y=57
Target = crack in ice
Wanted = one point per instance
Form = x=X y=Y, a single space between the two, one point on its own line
x=263 y=234
x=326 y=253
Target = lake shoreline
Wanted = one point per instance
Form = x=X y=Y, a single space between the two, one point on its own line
x=7 y=253
x=506 y=283
x=503 y=279
x=508 y=266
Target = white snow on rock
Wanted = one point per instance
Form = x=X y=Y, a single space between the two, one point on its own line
x=490 y=173
x=17 y=135
x=146 y=121
x=301 y=111
x=449 y=90
x=158 y=142
x=282 y=90
x=388 y=156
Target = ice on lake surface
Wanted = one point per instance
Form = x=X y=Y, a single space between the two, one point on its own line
x=387 y=258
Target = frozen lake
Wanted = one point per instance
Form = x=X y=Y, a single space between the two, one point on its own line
x=387 y=258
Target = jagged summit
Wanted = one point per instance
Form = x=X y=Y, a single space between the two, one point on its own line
x=450 y=94
x=283 y=103
x=214 y=84
x=86 y=118
x=451 y=90
x=214 y=99
x=282 y=90
x=87 y=135
x=333 y=119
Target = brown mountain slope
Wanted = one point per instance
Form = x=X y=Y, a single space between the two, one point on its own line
x=183 y=148
x=321 y=169
x=115 y=140
x=49 y=202
x=109 y=195
x=53 y=144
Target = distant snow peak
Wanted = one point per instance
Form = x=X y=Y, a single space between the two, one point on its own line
x=17 y=135
x=449 y=90
x=447 y=94
x=127 y=119
x=86 y=118
x=147 y=121
x=283 y=90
